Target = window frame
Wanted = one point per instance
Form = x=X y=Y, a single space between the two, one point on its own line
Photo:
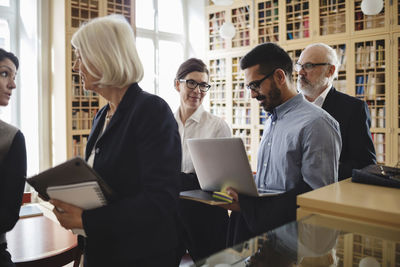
x=156 y=36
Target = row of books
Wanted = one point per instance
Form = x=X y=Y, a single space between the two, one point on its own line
x=332 y=24
x=217 y=69
x=370 y=56
x=371 y=85
x=218 y=110
x=241 y=94
x=298 y=29
x=377 y=117
x=241 y=43
x=340 y=85
x=78 y=91
x=379 y=142
x=82 y=119
x=79 y=145
x=341 y=55
x=241 y=21
x=246 y=137
x=241 y=115
x=268 y=34
x=217 y=94
x=363 y=22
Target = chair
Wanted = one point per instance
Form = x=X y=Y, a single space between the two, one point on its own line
x=59 y=260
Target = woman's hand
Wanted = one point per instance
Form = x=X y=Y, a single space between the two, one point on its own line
x=68 y=215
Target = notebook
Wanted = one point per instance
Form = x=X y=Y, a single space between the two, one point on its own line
x=223 y=162
x=86 y=195
x=30 y=210
x=70 y=172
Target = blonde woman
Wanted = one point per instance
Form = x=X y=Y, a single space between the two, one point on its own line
x=134 y=145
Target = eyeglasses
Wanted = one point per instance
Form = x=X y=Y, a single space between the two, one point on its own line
x=255 y=85
x=308 y=66
x=192 y=84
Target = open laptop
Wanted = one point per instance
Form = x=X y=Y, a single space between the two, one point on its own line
x=222 y=162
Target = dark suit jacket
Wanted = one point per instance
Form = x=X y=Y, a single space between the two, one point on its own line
x=139 y=157
x=353 y=116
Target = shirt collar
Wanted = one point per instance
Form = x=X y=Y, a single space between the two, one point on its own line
x=283 y=108
x=319 y=101
x=196 y=116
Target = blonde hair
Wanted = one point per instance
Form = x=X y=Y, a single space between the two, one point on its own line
x=107 y=48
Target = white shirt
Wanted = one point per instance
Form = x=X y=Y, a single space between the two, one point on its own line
x=319 y=101
x=201 y=124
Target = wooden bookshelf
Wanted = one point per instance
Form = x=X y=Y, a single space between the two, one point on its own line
x=367 y=47
x=332 y=17
x=83 y=105
x=370 y=23
x=268 y=21
x=297 y=19
x=396 y=98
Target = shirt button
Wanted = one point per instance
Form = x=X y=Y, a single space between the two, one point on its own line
x=269 y=143
x=97 y=150
x=265 y=164
x=273 y=123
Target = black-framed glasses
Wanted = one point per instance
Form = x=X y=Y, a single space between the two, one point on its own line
x=192 y=84
x=255 y=85
x=308 y=66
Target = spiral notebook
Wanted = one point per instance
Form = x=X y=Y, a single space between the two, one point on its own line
x=86 y=195
x=71 y=172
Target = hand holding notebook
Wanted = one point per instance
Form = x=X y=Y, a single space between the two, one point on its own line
x=87 y=195
x=72 y=182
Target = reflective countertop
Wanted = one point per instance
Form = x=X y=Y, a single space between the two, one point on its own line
x=315 y=240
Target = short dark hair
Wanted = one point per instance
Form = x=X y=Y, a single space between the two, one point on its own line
x=270 y=56
x=191 y=65
x=4 y=54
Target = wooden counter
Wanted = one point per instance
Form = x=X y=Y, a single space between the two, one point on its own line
x=375 y=204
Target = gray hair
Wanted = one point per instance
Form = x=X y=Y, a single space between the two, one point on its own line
x=108 y=51
x=331 y=56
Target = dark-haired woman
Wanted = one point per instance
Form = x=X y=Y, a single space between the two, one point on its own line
x=204 y=227
x=12 y=158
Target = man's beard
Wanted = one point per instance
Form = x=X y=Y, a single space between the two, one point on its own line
x=273 y=100
x=310 y=90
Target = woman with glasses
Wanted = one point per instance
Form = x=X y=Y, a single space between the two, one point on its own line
x=203 y=227
x=12 y=158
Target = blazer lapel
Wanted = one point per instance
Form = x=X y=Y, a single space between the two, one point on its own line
x=127 y=100
x=96 y=128
x=329 y=103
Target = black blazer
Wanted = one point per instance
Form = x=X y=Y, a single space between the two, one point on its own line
x=353 y=116
x=139 y=157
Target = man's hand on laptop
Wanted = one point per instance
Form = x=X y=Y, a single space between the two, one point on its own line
x=235 y=204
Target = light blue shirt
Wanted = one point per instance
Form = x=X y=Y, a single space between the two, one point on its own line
x=300 y=142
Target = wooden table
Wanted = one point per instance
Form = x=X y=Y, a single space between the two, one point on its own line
x=370 y=203
x=39 y=241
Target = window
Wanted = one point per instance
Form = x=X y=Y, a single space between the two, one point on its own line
x=18 y=34
x=161 y=45
x=7 y=18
